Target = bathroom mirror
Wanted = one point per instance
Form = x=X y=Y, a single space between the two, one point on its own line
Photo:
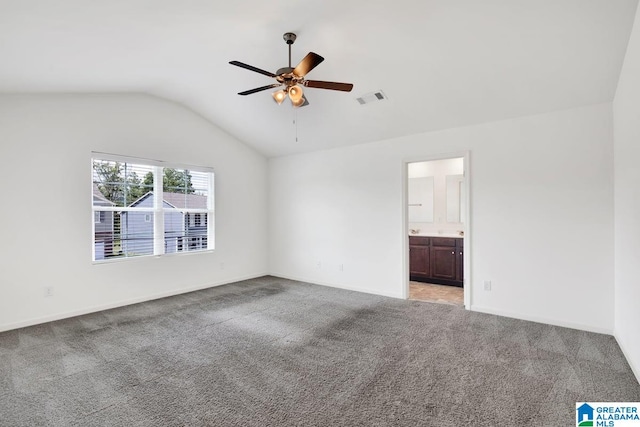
x=455 y=198
x=421 y=199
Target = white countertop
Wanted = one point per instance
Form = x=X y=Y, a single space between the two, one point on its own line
x=427 y=234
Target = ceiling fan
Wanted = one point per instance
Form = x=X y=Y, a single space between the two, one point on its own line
x=293 y=78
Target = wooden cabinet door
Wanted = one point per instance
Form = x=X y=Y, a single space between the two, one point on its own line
x=419 y=260
x=443 y=262
x=459 y=265
x=459 y=260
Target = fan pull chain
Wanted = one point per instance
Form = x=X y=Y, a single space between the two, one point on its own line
x=295 y=121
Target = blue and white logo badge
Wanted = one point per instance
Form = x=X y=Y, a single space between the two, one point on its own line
x=607 y=414
x=585 y=415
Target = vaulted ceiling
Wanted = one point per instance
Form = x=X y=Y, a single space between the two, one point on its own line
x=441 y=63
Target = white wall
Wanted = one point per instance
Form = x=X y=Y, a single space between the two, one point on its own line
x=626 y=108
x=541 y=215
x=45 y=224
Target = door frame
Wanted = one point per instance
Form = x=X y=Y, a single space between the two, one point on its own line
x=466 y=167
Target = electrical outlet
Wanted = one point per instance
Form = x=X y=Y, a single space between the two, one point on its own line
x=319 y=264
x=487 y=285
x=48 y=291
x=341 y=267
x=222 y=266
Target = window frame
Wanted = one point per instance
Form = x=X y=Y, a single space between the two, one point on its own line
x=158 y=210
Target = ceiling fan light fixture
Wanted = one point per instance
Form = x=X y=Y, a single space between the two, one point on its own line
x=295 y=94
x=299 y=103
x=293 y=78
x=279 y=96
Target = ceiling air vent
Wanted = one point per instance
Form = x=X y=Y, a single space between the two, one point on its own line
x=368 y=98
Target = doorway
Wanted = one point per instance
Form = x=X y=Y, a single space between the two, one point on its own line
x=436 y=207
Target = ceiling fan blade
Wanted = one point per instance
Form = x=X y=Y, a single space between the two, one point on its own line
x=251 y=68
x=345 y=87
x=259 y=89
x=308 y=63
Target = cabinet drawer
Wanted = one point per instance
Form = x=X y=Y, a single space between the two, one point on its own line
x=419 y=241
x=444 y=241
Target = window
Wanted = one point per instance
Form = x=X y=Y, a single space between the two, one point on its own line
x=130 y=221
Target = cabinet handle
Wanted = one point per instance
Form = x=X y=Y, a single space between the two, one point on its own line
x=453 y=253
x=460 y=253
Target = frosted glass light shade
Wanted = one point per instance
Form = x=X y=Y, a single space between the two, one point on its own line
x=279 y=96
x=295 y=94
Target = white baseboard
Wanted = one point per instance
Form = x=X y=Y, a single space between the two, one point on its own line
x=627 y=355
x=545 y=320
x=96 y=308
x=333 y=285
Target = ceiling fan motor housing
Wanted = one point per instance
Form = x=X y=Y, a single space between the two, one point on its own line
x=285 y=75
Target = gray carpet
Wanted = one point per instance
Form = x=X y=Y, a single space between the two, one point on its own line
x=272 y=352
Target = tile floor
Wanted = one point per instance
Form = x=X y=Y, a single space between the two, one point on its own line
x=435 y=293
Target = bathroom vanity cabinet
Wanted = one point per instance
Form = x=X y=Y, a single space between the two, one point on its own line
x=436 y=260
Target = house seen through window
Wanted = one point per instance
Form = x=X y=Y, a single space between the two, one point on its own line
x=149 y=208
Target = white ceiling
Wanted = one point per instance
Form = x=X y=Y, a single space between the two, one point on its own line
x=442 y=63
